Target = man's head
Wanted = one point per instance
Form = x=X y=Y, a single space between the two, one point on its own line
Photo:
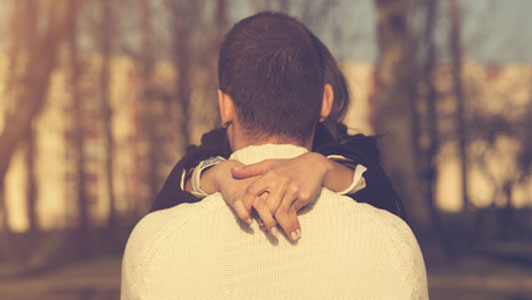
x=271 y=77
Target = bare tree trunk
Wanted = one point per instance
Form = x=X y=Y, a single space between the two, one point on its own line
x=431 y=99
x=182 y=15
x=507 y=213
x=106 y=107
x=147 y=117
x=79 y=144
x=5 y=233
x=429 y=168
x=32 y=192
x=41 y=51
x=31 y=182
x=397 y=86
x=456 y=53
x=221 y=17
x=284 y=6
x=41 y=62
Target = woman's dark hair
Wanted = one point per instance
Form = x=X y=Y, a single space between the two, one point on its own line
x=333 y=76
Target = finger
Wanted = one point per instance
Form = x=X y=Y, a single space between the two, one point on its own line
x=289 y=226
x=277 y=191
x=261 y=207
x=292 y=214
x=298 y=204
x=252 y=170
x=264 y=196
x=253 y=191
x=242 y=212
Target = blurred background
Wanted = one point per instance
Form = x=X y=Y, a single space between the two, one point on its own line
x=99 y=99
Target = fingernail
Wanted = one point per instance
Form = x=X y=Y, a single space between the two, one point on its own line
x=298 y=231
x=293 y=235
x=274 y=231
x=237 y=168
x=249 y=221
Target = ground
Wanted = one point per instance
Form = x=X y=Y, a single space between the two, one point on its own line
x=469 y=278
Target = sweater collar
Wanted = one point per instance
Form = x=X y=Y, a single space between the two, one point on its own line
x=256 y=153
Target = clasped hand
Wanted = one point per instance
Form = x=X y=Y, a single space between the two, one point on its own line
x=275 y=188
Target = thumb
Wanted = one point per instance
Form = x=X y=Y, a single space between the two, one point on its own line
x=252 y=170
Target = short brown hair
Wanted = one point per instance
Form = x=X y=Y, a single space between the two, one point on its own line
x=270 y=66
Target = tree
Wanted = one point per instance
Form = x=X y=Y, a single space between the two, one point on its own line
x=398 y=121
x=146 y=115
x=79 y=139
x=41 y=62
x=30 y=33
x=461 y=130
x=106 y=46
x=183 y=15
x=32 y=86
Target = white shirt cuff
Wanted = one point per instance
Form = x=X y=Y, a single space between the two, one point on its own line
x=199 y=195
x=182 y=184
x=359 y=182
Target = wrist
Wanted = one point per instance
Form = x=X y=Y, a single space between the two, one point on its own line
x=201 y=183
x=325 y=165
x=214 y=176
x=221 y=172
x=208 y=180
x=339 y=175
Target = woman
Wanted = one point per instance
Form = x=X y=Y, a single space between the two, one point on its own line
x=330 y=138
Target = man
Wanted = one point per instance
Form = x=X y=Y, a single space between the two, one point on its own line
x=272 y=94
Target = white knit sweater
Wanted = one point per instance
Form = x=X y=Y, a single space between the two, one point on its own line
x=348 y=250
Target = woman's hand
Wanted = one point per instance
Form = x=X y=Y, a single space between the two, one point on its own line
x=291 y=184
x=276 y=188
x=219 y=179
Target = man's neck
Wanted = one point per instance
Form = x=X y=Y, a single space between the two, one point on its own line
x=240 y=143
x=256 y=153
x=239 y=138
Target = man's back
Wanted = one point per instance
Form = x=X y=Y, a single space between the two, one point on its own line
x=348 y=250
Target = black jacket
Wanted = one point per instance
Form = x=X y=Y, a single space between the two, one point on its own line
x=359 y=148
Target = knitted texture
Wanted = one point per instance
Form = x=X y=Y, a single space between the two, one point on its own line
x=348 y=250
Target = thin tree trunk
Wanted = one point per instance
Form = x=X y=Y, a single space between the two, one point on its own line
x=31 y=183
x=148 y=120
x=284 y=6
x=456 y=54
x=31 y=152
x=507 y=213
x=106 y=107
x=5 y=233
x=79 y=145
x=181 y=58
x=221 y=18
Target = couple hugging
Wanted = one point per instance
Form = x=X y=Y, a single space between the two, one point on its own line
x=279 y=203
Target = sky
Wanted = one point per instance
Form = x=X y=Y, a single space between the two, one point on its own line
x=494 y=31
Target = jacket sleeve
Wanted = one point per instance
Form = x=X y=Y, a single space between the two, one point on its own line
x=213 y=143
x=379 y=191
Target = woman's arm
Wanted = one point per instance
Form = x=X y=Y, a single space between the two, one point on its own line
x=171 y=193
x=213 y=143
x=338 y=176
x=379 y=191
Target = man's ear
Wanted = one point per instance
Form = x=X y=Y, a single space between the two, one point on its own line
x=227 y=109
x=327 y=102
